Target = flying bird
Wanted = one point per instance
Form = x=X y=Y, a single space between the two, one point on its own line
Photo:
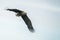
x=24 y=17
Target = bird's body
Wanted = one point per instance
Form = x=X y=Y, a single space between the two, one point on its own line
x=24 y=17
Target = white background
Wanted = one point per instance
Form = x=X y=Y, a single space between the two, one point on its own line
x=44 y=14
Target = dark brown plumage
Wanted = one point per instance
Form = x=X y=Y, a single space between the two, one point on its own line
x=24 y=17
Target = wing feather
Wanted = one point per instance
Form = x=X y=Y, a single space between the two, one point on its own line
x=28 y=22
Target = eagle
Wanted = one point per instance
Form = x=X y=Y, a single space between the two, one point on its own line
x=24 y=17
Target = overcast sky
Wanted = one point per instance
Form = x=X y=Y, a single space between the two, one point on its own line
x=44 y=14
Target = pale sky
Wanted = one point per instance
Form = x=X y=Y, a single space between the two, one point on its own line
x=44 y=14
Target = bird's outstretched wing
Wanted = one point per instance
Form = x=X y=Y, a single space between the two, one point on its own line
x=14 y=10
x=24 y=17
x=28 y=22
